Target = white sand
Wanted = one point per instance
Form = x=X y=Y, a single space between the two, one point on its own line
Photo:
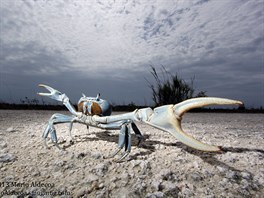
x=161 y=167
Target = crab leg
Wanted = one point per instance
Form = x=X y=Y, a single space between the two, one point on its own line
x=124 y=140
x=56 y=118
x=137 y=132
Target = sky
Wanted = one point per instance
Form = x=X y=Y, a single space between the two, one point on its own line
x=108 y=46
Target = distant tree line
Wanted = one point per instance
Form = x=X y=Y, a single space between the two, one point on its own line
x=167 y=89
x=124 y=107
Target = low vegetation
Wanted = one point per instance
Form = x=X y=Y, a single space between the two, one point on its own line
x=171 y=88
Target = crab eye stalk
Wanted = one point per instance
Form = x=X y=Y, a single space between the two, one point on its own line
x=98 y=96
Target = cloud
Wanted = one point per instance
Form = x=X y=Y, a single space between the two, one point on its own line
x=114 y=42
x=31 y=59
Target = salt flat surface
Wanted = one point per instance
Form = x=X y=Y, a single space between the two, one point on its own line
x=161 y=167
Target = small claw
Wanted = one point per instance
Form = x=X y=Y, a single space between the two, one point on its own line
x=54 y=94
x=47 y=87
x=44 y=94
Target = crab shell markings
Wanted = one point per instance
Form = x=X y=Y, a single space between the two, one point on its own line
x=94 y=106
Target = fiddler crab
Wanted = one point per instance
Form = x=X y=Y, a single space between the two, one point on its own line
x=96 y=112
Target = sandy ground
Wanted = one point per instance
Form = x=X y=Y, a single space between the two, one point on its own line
x=161 y=167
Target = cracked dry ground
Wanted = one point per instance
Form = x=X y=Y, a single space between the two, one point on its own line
x=161 y=167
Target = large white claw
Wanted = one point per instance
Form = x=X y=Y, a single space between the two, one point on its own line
x=186 y=105
x=168 y=118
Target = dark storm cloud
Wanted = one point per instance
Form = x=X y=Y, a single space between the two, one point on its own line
x=107 y=47
x=31 y=59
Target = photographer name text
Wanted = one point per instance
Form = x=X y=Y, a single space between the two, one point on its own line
x=26 y=185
